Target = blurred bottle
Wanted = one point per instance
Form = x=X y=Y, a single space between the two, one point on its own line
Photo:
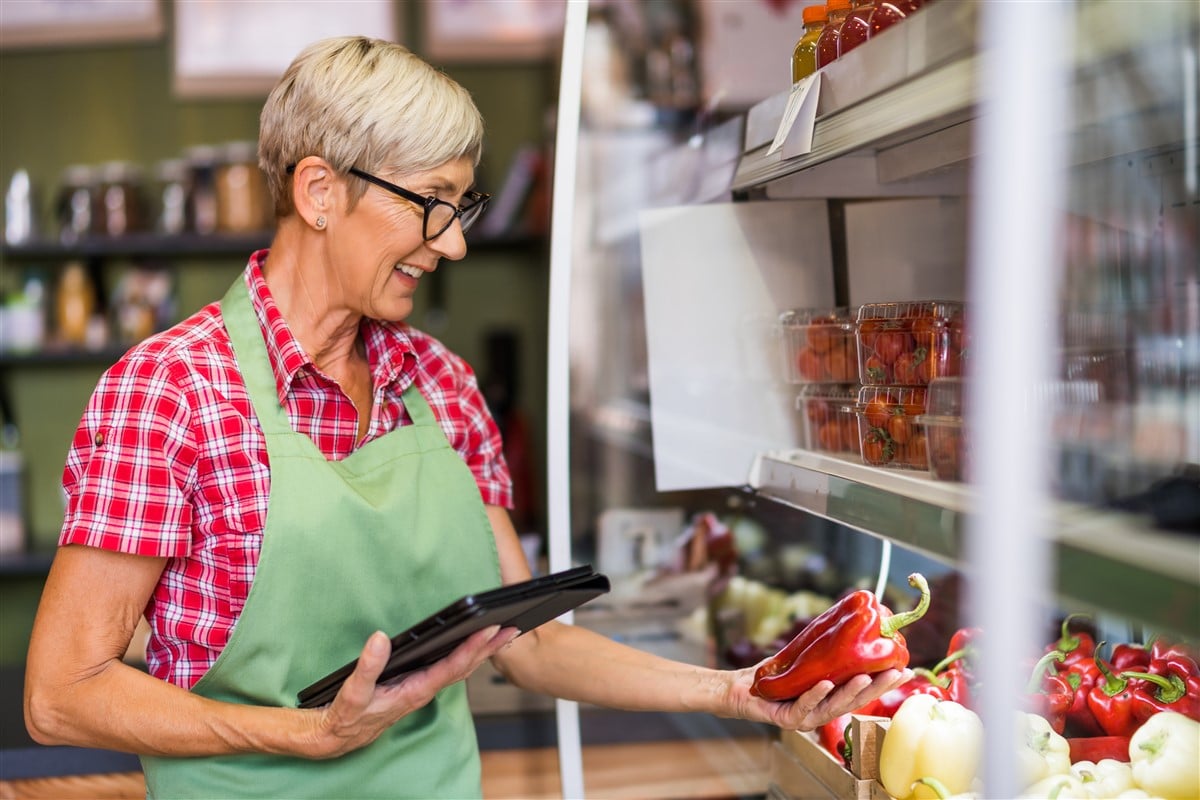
x=888 y=12
x=828 y=47
x=241 y=190
x=857 y=27
x=75 y=304
x=171 y=192
x=121 y=193
x=76 y=208
x=804 y=57
x=20 y=223
x=202 y=201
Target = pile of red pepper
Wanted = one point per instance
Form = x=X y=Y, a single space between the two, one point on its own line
x=1098 y=703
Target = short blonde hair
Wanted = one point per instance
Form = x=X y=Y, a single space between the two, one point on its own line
x=365 y=103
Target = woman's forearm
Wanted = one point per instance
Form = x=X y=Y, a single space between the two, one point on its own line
x=578 y=664
x=119 y=707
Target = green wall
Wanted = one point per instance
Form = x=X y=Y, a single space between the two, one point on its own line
x=89 y=105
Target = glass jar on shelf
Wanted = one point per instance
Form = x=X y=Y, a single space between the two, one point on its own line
x=77 y=203
x=243 y=204
x=120 y=198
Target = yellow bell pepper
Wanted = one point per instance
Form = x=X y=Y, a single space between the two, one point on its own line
x=1104 y=779
x=1163 y=756
x=1056 y=787
x=930 y=738
x=1041 y=753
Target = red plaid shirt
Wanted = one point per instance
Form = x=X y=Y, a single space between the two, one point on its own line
x=168 y=461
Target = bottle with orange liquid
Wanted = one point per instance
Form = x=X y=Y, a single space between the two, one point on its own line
x=857 y=27
x=804 y=57
x=827 y=45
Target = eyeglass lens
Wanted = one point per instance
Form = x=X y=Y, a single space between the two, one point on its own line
x=440 y=215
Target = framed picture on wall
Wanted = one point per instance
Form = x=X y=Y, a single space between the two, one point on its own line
x=240 y=49
x=54 y=23
x=493 y=30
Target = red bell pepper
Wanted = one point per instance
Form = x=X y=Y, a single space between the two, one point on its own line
x=963 y=638
x=1095 y=748
x=1172 y=691
x=1077 y=646
x=1162 y=648
x=1111 y=702
x=1080 y=719
x=924 y=681
x=1129 y=656
x=832 y=736
x=857 y=635
x=1049 y=695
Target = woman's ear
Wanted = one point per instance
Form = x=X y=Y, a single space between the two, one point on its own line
x=313 y=187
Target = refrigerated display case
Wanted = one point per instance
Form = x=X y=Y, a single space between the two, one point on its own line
x=1081 y=285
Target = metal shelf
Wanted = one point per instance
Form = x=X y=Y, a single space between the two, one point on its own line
x=1104 y=560
x=919 y=79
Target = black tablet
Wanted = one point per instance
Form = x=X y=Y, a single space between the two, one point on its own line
x=519 y=605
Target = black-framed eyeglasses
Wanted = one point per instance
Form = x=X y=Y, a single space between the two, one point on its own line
x=439 y=215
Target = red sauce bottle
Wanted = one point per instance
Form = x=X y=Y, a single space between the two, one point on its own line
x=888 y=12
x=827 y=45
x=857 y=27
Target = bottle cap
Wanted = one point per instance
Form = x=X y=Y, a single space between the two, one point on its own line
x=837 y=5
x=815 y=13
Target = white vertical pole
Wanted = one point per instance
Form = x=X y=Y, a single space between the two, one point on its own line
x=558 y=455
x=1018 y=200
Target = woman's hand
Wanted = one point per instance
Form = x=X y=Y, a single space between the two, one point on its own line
x=820 y=704
x=363 y=709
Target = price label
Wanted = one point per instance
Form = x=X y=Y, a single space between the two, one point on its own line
x=795 y=134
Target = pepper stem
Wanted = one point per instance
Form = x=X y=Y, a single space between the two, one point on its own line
x=1041 y=668
x=957 y=655
x=1170 y=688
x=1068 y=642
x=889 y=625
x=1113 y=684
x=938 y=787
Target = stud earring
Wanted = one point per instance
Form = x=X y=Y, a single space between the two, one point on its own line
x=320 y=222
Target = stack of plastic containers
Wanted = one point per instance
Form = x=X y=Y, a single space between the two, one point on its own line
x=820 y=357
x=902 y=348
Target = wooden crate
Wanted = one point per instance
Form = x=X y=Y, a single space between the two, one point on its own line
x=800 y=769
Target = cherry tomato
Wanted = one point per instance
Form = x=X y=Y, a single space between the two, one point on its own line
x=839 y=366
x=808 y=363
x=867 y=331
x=872 y=450
x=918 y=453
x=875 y=371
x=890 y=344
x=876 y=413
x=914 y=402
x=829 y=437
x=899 y=427
x=821 y=334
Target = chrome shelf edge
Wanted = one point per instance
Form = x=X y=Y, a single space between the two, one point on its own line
x=1104 y=560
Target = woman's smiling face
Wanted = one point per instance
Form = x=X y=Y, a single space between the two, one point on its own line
x=380 y=252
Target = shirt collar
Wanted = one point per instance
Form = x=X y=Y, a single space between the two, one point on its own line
x=389 y=348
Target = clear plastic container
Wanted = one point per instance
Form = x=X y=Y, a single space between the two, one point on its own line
x=945 y=430
x=827 y=418
x=910 y=343
x=819 y=345
x=889 y=433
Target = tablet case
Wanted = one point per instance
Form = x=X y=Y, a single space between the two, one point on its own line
x=519 y=605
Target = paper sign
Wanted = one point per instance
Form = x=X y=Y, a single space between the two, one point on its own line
x=796 y=126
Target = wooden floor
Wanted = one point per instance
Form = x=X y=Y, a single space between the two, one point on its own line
x=700 y=768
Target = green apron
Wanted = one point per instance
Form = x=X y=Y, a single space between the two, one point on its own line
x=376 y=541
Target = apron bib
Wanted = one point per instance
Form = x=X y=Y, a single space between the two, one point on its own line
x=376 y=541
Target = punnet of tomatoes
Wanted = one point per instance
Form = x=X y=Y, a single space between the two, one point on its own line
x=944 y=427
x=827 y=418
x=888 y=432
x=910 y=343
x=819 y=345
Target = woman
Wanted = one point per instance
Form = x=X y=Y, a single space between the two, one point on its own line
x=294 y=471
